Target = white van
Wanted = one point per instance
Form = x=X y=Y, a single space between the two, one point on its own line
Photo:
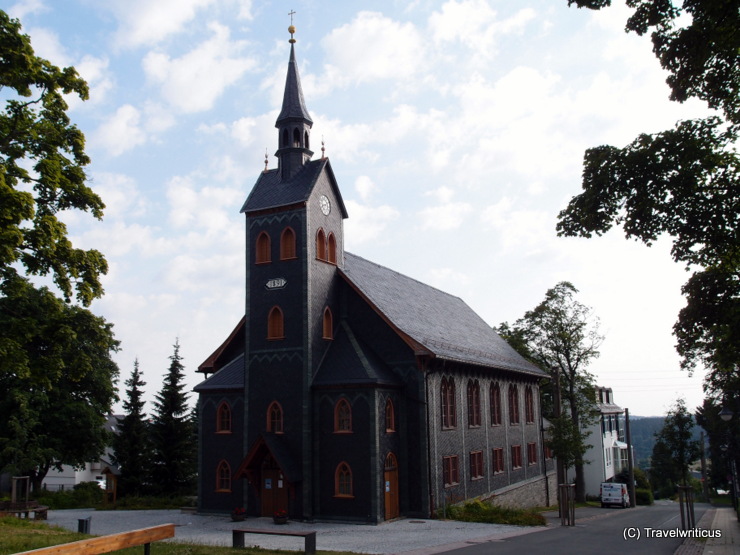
x=614 y=494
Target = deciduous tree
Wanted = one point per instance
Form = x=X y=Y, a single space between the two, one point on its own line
x=56 y=375
x=561 y=336
x=682 y=182
x=675 y=449
x=42 y=160
x=56 y=382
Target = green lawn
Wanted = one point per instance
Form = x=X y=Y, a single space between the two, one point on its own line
x=23 y=535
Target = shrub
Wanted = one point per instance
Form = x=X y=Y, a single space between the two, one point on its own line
x=643 y=496
x=479 y=511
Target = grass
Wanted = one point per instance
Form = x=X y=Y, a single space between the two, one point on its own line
x=479 y=511
x=23 y=535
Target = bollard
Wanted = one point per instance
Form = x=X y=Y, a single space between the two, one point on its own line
x=83 y=525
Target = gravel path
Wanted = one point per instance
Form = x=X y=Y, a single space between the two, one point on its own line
x=418 y=537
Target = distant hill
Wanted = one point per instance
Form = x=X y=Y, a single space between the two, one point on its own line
x=643 y=430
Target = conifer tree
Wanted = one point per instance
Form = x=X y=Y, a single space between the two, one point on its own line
x=132 y=445
x=174 y=448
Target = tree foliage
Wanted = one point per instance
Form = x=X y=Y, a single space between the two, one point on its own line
x=42 y=162
x=132 y=445
x=675 y=449
x=172 y=433
x=56 y=382
x=724 y=438
x=561 y=336
x=684 y=181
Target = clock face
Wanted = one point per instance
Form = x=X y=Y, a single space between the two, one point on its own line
x=325 y=205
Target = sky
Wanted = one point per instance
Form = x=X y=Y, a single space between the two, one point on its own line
x=456 y=130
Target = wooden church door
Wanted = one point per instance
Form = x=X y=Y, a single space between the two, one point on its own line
x=274 y=490
x=391 y=487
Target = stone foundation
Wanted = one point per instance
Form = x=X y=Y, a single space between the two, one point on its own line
x=536 y=492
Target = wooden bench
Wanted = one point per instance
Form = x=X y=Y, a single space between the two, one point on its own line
x=22 y=509
x=310 y=536
x=113 y=542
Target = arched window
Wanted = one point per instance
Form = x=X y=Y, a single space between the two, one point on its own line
x=343 y=481
x=321 y=245
x=513 y=405
x=390 y=416
x=223 y=477
x=331 y=255
x=473 y=403
x=495 y=405
x=275 y=418
x=275 y=328
x=342 y=417
x=262 y=254
x=305 y=139
x=528 y=405
x=328 y=325
x=287 y=244
x=286 y=138
x=296 y=137
x=449 y=408
x=223 y=418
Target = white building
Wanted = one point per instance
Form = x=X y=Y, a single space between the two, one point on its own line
x=608 y=453
x=69 y=477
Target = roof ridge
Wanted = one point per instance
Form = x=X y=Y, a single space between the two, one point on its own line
x=407 y=277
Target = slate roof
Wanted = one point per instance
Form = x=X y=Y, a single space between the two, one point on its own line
x=440 y=324
x=231 y=376
x=271 y=191
x=294 y=106
x=349 y=361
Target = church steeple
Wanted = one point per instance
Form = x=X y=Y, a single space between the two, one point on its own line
x=293 y=124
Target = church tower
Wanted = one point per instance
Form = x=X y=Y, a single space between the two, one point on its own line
x=294 y=124
x=294 y=236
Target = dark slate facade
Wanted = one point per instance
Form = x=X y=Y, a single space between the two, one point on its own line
x=350 y=391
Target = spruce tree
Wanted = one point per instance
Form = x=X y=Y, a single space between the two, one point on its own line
x=132 y=445
x=174 y=448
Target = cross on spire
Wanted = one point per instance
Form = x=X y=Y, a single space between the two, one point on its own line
x=291 y=29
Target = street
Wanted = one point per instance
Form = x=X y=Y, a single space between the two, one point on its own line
x=600 y=531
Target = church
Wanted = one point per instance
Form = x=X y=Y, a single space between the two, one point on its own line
x=349 y=391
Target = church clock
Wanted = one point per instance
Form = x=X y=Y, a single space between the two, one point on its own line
x=325 y=205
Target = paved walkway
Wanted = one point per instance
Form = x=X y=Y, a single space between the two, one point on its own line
x=407 y=536
x=725 y=521
x=418 y=536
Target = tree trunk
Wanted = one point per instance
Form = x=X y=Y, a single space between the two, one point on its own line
x=580 y=477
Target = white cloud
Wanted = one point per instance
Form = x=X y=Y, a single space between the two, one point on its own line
x=193 y=82
x=121 y=132
x=143 y=22
x=96 y=73
x=367 y=223
x=206 y=209
x=523 y=231
x=370 y=48
x=446 y=216
x=20 y=10
x=364 y=187
x=120 y=194
x=197 y=273
x=243 y=130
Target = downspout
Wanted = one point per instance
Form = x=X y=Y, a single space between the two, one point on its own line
x=429 y=442
x=542 y=442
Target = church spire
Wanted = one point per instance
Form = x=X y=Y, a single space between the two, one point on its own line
x=294 y=123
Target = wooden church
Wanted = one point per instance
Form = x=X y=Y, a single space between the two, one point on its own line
x=349 y=391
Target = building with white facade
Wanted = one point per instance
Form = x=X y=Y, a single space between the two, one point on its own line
x=608 y=454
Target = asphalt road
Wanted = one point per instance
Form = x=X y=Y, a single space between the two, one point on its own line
x=602 y=531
